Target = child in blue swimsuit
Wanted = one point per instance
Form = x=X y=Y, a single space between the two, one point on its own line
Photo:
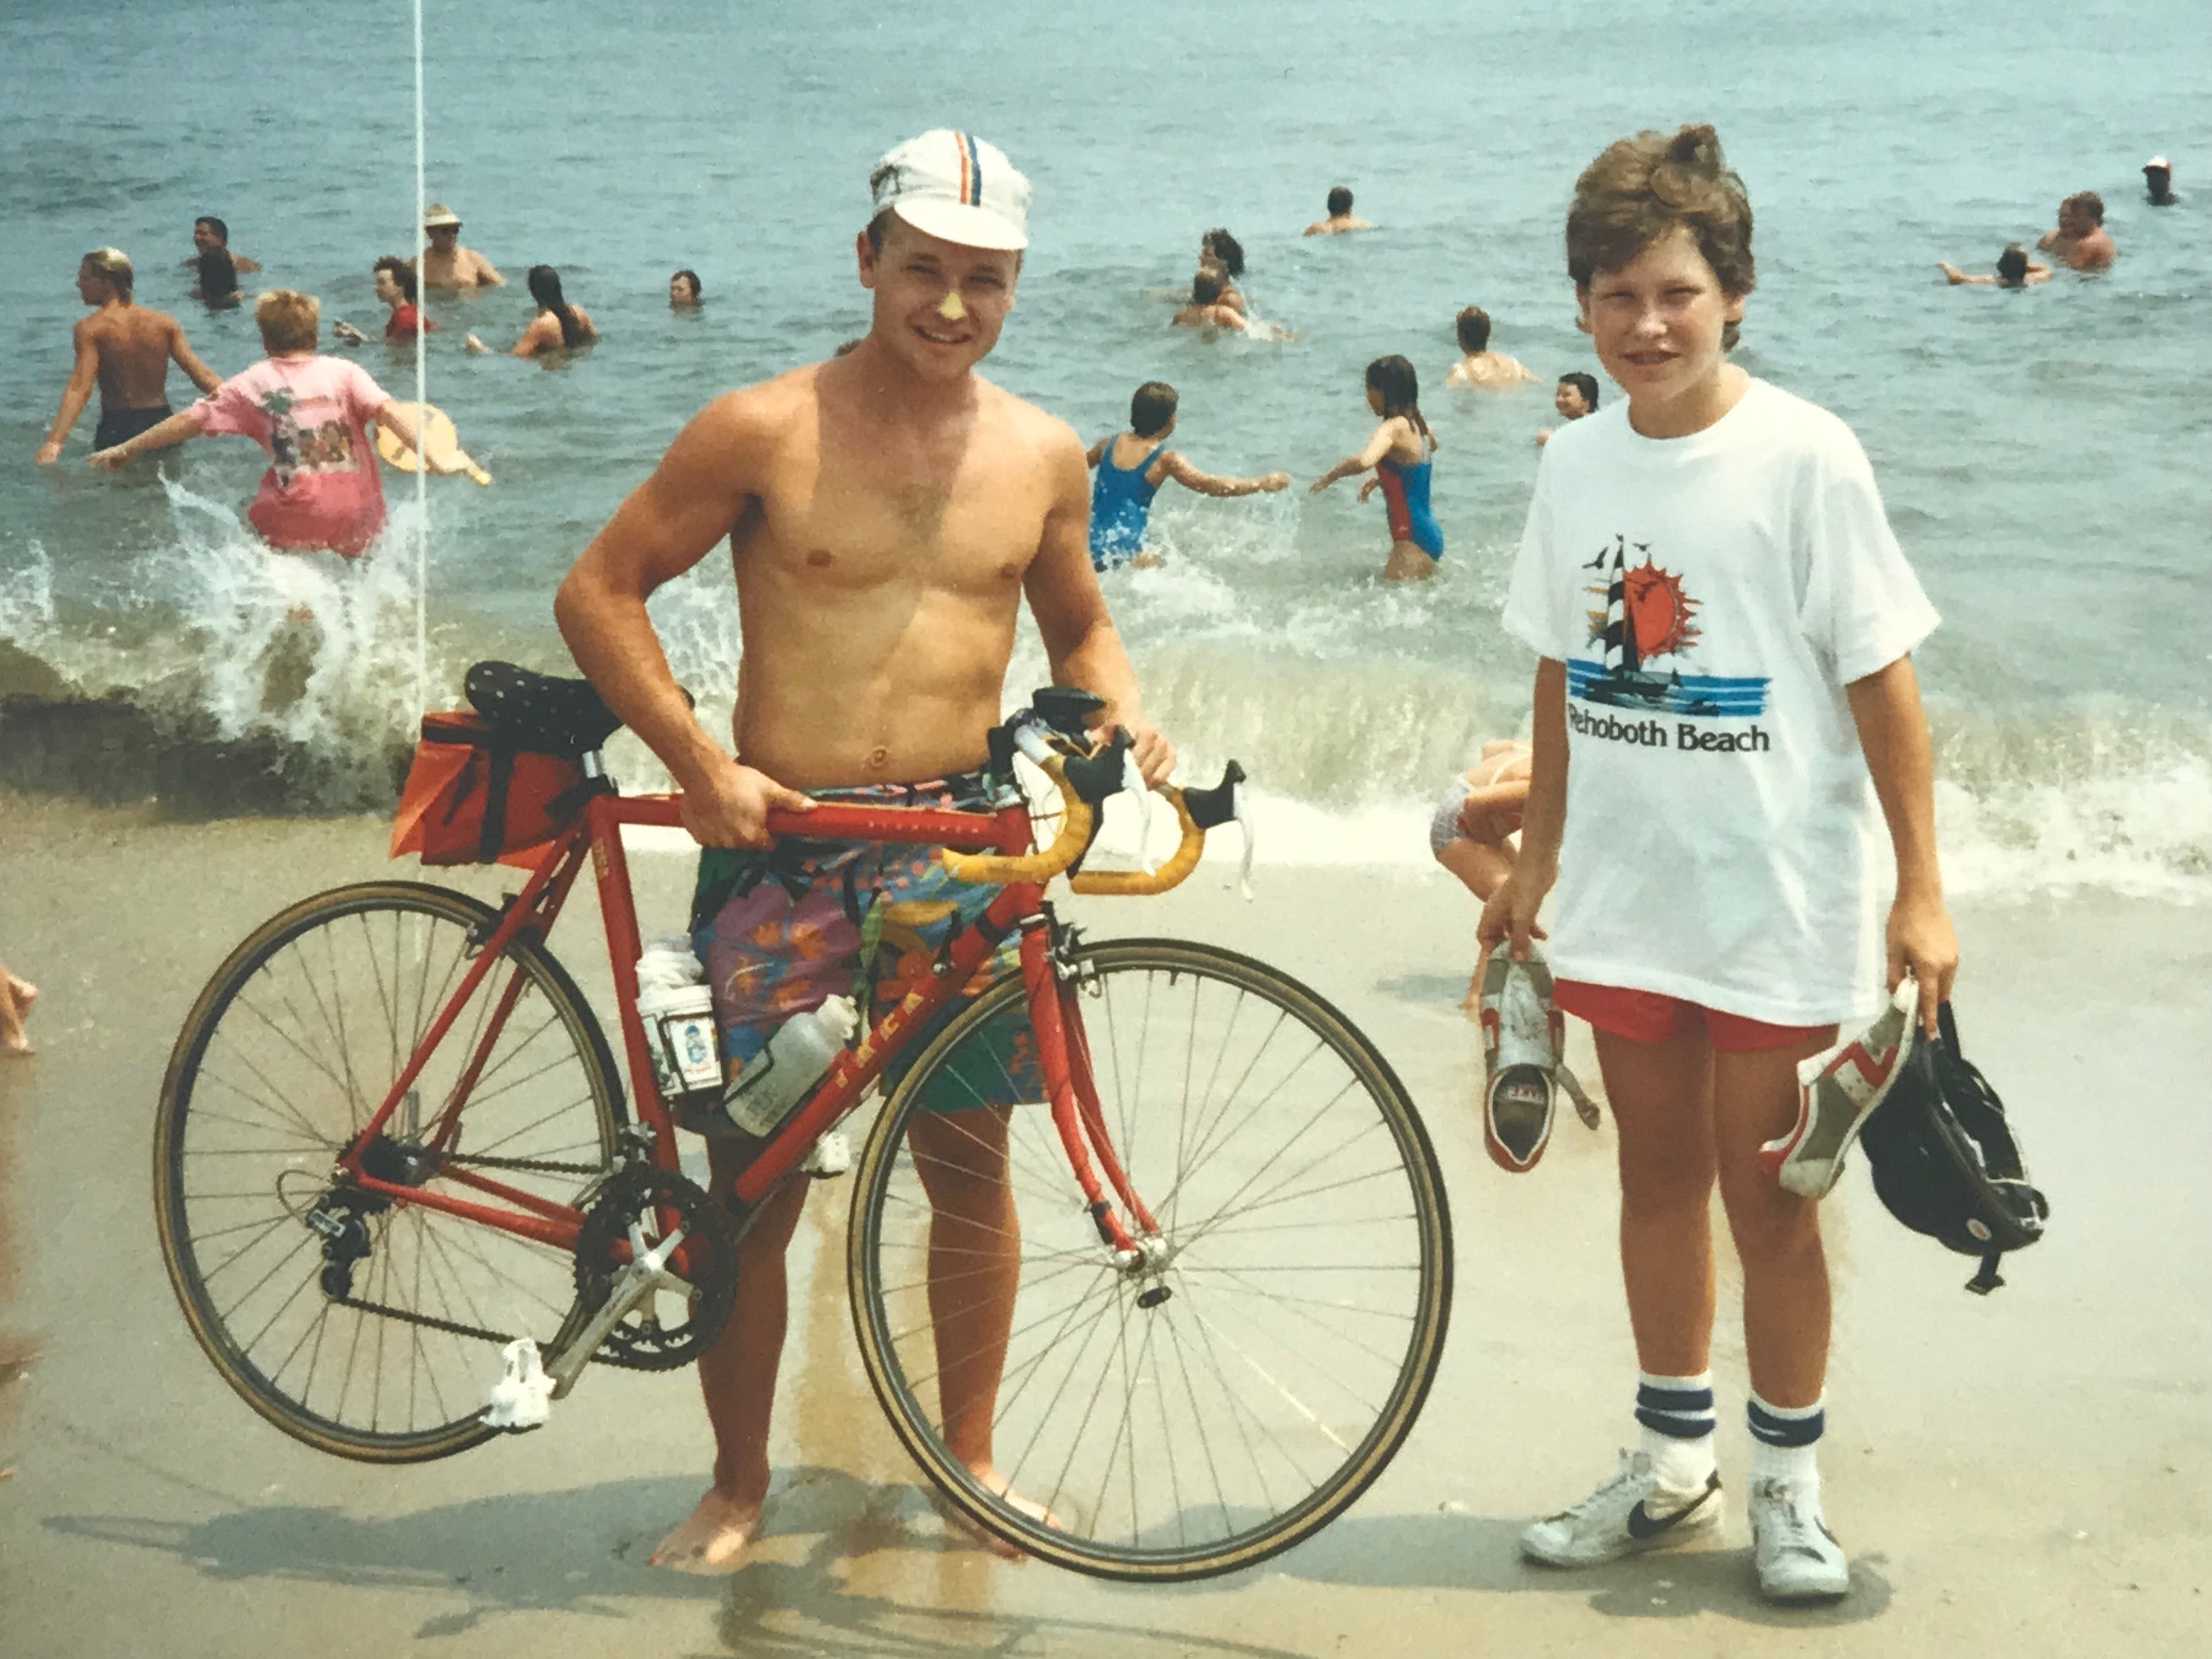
x=1399 y=452
x=1133 y=464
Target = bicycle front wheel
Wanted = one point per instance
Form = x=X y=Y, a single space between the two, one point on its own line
x=365 y=1327
x=1228 y=1392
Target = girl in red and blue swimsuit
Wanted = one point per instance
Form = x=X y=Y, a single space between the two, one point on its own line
x=1399 y=452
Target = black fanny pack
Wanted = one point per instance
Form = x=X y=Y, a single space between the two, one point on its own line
x=1945 y=1161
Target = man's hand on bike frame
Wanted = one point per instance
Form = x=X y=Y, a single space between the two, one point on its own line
x=728 y=806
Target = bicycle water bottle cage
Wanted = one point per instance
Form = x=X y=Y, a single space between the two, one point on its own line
x=1096 y=776
x=1210 y=808
x=1065 y=709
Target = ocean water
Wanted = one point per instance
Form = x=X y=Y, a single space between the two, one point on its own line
x=2042 y=453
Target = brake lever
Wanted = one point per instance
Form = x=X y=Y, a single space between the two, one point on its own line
x=1133 y=781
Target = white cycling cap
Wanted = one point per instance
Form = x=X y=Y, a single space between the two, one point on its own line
x=954 y=185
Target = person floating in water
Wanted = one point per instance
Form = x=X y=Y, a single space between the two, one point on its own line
x=1399 y=452
x=217 y=279
x=310 y=414
x=1131 y=467
x=210 y=234
x=1339 y=218
x=1574 y=396
x=2080 y=241
x=2014 y=269
x=684 y=290
x=2158 y=181
x=558 y=325
x=1480 y=368
x=1222 y=254
x=445 y=263
x=1206 y=308
x=125 y=349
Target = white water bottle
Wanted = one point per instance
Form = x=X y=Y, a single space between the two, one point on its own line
x=678 y=1011
x=784 y=1073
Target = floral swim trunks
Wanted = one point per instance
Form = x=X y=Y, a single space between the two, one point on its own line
x=781 y=930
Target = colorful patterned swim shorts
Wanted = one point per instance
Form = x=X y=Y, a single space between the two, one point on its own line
x=784 y=929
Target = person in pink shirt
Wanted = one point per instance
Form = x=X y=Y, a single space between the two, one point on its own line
x=311 y=414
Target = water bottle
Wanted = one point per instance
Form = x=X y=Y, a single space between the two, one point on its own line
x=775 y=1080
x=678 y=1011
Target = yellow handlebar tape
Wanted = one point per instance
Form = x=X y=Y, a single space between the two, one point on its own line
x=1001 y=870
x=1136 y=883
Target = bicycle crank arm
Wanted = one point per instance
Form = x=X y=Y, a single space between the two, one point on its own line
x=647 y=1273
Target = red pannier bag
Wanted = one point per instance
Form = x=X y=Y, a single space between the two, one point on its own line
x=473 y=796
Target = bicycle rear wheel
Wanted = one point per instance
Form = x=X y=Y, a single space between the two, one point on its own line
x=372 y=1331
x=1204 y=1408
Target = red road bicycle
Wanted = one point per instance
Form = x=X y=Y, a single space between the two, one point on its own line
x=393 y=1139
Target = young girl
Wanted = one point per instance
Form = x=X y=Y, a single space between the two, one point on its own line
x=1724 y=693
x=1399 y=452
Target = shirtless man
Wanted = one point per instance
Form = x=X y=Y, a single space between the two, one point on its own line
x=887 y=513
x=1481 y=368
x=1206 y=308
x=445 y=263
x=210 y=234
x=125 y=349
x=2080 y=241
x=1339 y=218
x=2014 y=269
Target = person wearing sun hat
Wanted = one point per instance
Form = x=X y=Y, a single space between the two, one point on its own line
x=445 y=263
x=887 y=512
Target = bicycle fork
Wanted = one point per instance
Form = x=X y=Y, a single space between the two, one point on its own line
x=1064 y=1052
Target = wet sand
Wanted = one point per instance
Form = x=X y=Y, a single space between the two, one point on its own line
x=2025 y=1472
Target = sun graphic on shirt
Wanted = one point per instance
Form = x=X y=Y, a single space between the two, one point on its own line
x=1658 y=610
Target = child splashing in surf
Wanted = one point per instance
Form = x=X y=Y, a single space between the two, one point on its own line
x=1723 y=696
x=1399 y=452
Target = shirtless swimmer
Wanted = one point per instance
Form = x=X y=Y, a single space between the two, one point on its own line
x=887 y=512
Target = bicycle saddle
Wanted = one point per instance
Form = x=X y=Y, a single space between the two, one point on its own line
x=539 y=711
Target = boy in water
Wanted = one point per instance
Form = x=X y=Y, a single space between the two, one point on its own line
x=311 y=415
x=887 y=513
x=1710 y=824
x=1574 y=397
x=1480 y=367
x=1133 y=464
x=2014 y=269
x=394 y=279
x=1339 y=218
x=210 y=234
x=1206 y=308
x=125 y=349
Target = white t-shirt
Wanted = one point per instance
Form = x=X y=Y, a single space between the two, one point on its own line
x=1710 y=596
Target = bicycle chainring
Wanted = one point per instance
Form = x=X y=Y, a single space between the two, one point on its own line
x=708 y=1260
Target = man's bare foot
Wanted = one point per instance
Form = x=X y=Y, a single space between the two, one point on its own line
x=712 y=1539
x=995 y=1483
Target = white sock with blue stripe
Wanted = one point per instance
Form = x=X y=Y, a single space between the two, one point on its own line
x=1676 y=1414
x=1786 y=1440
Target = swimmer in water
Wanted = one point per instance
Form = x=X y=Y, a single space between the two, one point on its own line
x=2014 y=269
x=558 y=325
x=445 y=263
x=1574 y=396
x=217 y=283
x=1399 y=452
x=209 y=233
x=1207 y=309
x=1339 y=218
x=1131 y=467
x=2080 y=241
x=1220 y=253
x=124 y=349
x=1481 y=368
x=683 y=290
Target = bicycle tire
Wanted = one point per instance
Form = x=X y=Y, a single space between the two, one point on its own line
x=252 y=1062
x=1384 y=1272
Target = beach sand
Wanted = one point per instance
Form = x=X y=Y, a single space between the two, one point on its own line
x=2024 y=1473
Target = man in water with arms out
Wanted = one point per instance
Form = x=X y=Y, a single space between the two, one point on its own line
x=886 y=512
x=124 y=349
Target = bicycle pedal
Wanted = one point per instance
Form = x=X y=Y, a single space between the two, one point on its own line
x=522 y=1399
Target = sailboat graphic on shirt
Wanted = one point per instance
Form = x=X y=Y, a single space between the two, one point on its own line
x=1647 y=615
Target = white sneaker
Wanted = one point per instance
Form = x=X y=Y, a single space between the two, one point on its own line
x=1522 y=1037
x=1799 y=1558
x=1837 y=1092
x=1630 y=1512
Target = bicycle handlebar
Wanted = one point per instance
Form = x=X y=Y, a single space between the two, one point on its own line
x=1002 y=869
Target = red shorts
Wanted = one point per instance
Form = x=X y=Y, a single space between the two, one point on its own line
x=1652 y=1016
